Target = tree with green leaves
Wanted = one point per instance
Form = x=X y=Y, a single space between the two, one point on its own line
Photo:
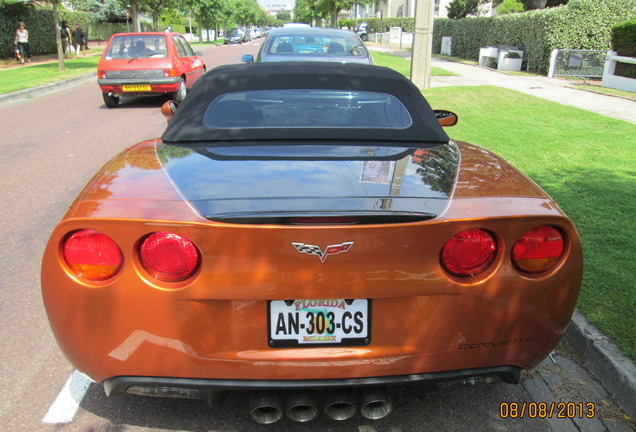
x=462 y=8
x=155 y=8
x=207 y=13
x=100 y=10
x=510 y=6
x=310 y=11
x=306 y=11
x=283 y=16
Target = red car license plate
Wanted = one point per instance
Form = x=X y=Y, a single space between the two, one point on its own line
x=136 y=88
x=312 y=322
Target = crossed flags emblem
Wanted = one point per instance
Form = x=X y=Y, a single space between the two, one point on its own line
x=316 y=250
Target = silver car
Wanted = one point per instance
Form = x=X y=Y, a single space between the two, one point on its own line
x=312 y=44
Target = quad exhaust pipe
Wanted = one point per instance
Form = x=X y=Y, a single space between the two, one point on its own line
x=340 y=405
x=268 y=407
x=302 y=407
x=376 y=404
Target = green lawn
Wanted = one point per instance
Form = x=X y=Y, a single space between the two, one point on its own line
x=587 y=163
x=402 y=65
x=22 y=77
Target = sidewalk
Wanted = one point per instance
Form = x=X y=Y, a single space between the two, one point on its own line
x=594 y=350
x=552 y=89
x=555 y=90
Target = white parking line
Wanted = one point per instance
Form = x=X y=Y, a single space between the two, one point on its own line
x=67 y=402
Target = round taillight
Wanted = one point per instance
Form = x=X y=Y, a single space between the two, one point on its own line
x=169 y=257
x=469 y=253
x=92 y=255
x=538 y=249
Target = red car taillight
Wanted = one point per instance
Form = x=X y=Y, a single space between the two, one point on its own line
x=92 y=255
x=469 y=253
x=538 y=249
x=169 y=257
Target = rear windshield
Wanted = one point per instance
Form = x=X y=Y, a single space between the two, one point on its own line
x=306 y=109
x=336 y=44
x=135 y=46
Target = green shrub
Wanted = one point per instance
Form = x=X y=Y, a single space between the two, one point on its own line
x=38 y=21
x=382 y=25
x=624 y=38
x=510 y=6
x=624 y=43
x=581 y=24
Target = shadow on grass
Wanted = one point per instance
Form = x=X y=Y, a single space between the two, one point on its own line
x=609 y=280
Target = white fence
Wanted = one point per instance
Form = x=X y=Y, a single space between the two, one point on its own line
x=577 y=63
x=614 y=81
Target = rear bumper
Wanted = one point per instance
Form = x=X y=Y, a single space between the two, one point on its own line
x=157 y=85
x=137 y=81
x=205 y=388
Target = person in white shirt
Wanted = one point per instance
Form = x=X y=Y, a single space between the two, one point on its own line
x=22 y=41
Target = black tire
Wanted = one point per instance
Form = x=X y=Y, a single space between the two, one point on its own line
x=110 y=101
x=364 y=37
x=180 y=94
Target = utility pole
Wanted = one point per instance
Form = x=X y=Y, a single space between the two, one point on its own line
x=422 y=44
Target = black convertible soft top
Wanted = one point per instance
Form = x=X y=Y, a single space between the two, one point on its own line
x=188 y=125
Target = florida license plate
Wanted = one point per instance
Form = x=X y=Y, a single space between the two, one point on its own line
x=294 y=323
x=136 y=88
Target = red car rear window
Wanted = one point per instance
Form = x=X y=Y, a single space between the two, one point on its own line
x=136 y=46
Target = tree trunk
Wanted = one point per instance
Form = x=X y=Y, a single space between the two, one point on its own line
x=135 y=16
x=334 y=17
x=58 y=39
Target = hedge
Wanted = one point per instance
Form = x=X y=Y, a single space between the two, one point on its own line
x=38 y=21
x=624 y=43
x=581 y=24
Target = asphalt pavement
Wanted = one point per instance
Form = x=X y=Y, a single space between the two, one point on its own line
x=595 y=352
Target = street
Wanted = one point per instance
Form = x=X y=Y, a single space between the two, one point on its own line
x=53 y=145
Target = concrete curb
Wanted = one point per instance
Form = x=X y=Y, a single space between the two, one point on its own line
x=40 y=90
x=599 y=354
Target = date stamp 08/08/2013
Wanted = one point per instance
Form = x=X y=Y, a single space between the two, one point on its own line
x=546 y=410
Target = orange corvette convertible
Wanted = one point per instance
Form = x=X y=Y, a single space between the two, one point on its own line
x=310 y=231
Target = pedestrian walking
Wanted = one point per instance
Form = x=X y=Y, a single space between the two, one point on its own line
x=79 y=39
x=67 y=38
x=21 y=42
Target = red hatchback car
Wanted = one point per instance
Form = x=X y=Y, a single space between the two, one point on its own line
x=146 y=64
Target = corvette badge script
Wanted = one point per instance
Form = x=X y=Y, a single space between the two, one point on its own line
x=329 y=250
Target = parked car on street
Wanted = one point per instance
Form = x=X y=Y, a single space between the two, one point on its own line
x=311 y=234
x=361 y=30
x=147 y=64
x=312 y=44
x=236 y=35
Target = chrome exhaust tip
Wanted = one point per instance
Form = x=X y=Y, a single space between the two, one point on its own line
x=376 y=404
x=340 y=405
x=301 y=407
x=266 y=407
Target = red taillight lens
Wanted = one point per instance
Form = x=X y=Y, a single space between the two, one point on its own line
x=538 y=249
x=469 y=253
x=92 y=255
x=169 y=257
